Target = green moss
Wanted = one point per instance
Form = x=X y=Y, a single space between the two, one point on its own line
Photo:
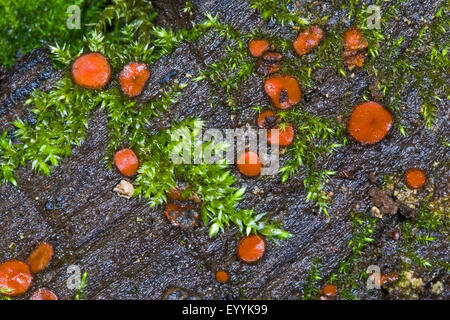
x=396 y=66
x=278 y=11
x=311 y=289
x=349 y=272
x=62 y=119
x=80 y=293
x=316 y=137
x=430 y=224
x=27 y=24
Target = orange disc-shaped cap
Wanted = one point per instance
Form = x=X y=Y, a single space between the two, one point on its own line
x=415 y=178
x=257 y=47
x=40 y=257
x=91 y=71
x=251 y=249
x=283 y=90
x=285 y=136
x=369 y=122
x=15 y=278
x=264 y=116
x=354 y=40
x=222 y=276
x=308 y=40
x=248 y=164
x=330 y=290
x=43 y=294
x=133 y=78
x=126 y=162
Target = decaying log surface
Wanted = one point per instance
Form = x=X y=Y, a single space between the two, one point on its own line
x=95 y=229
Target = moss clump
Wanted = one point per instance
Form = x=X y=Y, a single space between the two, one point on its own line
x=26 y=24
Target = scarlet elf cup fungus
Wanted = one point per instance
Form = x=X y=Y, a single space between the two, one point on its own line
x=415 y=178
x=126 y=162
x=251 y=249
x=269 y=63
x=257 y=47
x=369 y=122
x=43 y=294
x=329 y=290
x=285 y=135
x=354 y=48
x=248 y=164
x=222 y=276
x=91 y=71
x=133 y=78
x=283 y=90
x=40 y=257
x=15 y=278
x=308 y=40
x=267 y=119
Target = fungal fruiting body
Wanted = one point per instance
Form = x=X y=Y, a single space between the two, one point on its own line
x=251 y=249
x=308 y=40
x=184 y=217
x=267 y=119
x=133 y=78
x=91 y=71
x=248 y=164
x=329 y=290
x=43 y=294
x=283 y=90
x=257 y=47
x=222 y=276
x=40 y=257
x=15 y=278
x=354 y=48
x=369 y=122
x=180 y=193
x=285 y=135
x=415 y=178
x=269 y=63
x=126 y=162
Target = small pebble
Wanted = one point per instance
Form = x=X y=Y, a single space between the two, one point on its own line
x=376 y=212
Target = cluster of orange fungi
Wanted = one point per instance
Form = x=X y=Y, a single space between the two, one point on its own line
x=16 y=276
x=369 y=123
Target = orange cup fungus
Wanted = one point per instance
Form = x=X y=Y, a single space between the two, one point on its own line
x=354 y=48
x=285 y=135
x=126 y=162
x=248 y=164
x=269 y=63
x=133 y=78
x=40 y=257
x=283 y=90
x=308 y=40
x=329 y=290
x=267 y=119
x=415 y=178
x=222 y=276
x=43 y=294
x=251 y=249
x=91 y=71
x=257 y=47
x=183 y=217
x=15 y=278
x=354 y=40
x=369 y=122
